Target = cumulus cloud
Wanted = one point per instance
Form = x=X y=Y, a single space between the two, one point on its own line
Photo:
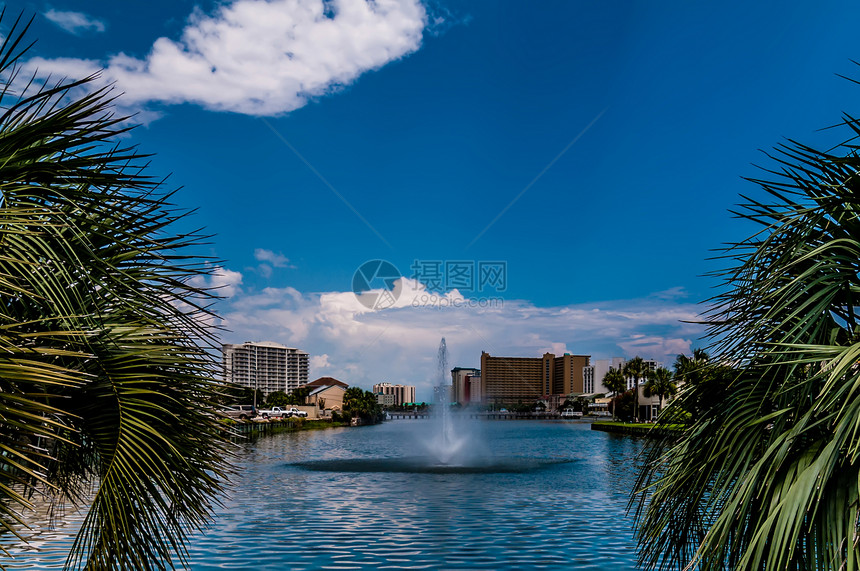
x=75 y=22
x=225 y=283
x=269 y=259
x=278 y=260
x=360 y=344
x=261 y=57
x=678 y=292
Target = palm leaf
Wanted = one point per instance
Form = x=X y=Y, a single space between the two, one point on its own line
x=107 y=379
x=767 y=475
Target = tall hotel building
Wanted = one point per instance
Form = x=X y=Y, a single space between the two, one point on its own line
x=266 y=366
x=514 y=379
x=402 y=393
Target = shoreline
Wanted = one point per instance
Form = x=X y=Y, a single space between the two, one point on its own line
x=242 y=430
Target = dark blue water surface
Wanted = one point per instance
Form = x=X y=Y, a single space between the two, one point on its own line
x=519 y=495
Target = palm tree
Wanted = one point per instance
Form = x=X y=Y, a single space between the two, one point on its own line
x=614 y=381
x=768 y=474
x=362 y=404
x=660 y=383
x=106 y=367
x=703 y=379
x=690 y=370
x=636 y=369
x=371 y=406
x=352 y=401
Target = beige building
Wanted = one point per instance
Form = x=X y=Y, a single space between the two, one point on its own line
x=266 y=366
x=402 y=393
x=326 y=393
x=513 y=379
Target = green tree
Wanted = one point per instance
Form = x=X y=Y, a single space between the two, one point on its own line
x=359 y=403
x=768 y=474
x=372 y=408
x=691 y=370
x=301 y=395
x=703 y=379
x=660 y=383
x=278 y=398
x=614 y=381
x=352 y=401
x=567 y=404
x=622 y=406
x=637 y=370
x=235 y=394
x=106 y=378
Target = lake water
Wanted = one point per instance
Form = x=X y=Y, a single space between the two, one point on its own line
x=543 y=495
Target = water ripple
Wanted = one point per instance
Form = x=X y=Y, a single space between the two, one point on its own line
x=540 y=495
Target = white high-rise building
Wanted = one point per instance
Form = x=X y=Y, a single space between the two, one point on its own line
x=593 y=374
x=593 y=383
x=266 y=366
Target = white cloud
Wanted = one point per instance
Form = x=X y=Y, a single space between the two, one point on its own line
x=360 y=345
x=75 y=22
x=262 y=57
x=223 y=282
x=278 y=260
x=678 y=292
x=319 y=361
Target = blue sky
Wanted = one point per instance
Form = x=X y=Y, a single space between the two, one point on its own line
x=594 y=148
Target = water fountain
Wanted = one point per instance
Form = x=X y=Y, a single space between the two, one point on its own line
x=449 y=445
x=452 y=443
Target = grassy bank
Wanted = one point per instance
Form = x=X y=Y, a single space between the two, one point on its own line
x=251 y=429
x=640 y=429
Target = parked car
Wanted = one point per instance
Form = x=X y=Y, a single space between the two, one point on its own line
x=274 y=412
x=239 y=411
x=296 y=412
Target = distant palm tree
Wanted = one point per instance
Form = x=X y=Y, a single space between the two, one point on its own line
x=691 y=369
x=636 y=369
x=701 y=379
x=614 y=381
x=767 y=476
x=106 y=375
x=660 y=383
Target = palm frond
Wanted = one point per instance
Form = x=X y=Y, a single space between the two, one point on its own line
x=107 y=379
x=767 y=475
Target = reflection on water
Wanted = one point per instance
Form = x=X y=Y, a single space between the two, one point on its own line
x=541 y=495
x=430 y=465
